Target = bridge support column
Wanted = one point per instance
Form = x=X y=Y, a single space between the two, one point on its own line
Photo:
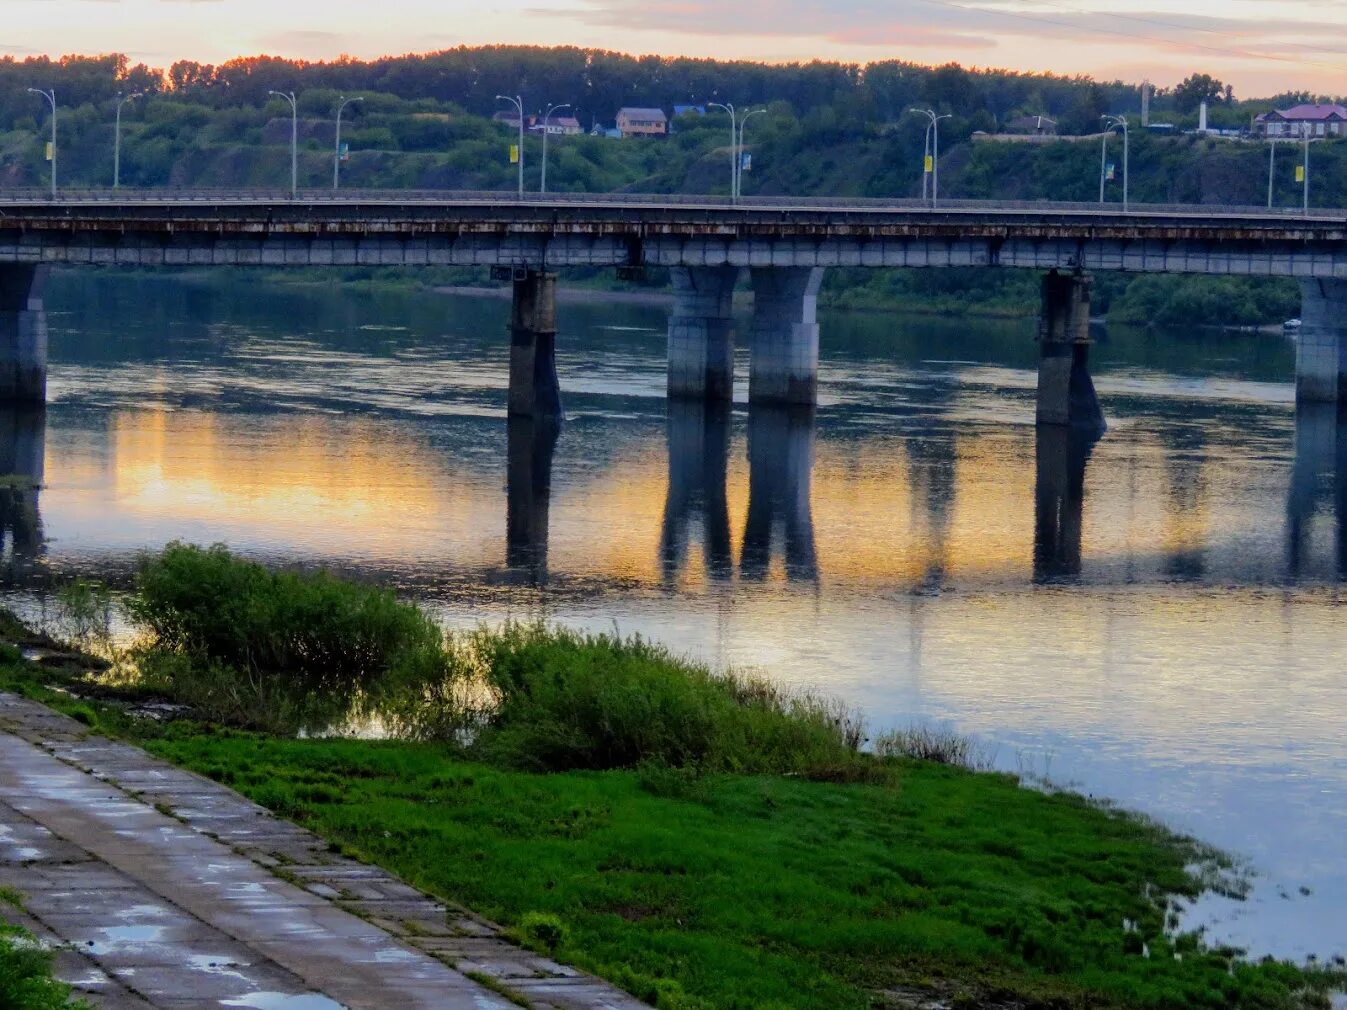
x=1321 y=346
x=701 y=333
x=784 y=367
x=23 y=334
x=534 y=390
x=1066 y=393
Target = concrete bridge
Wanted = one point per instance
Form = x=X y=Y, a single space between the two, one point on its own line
x=784 y=246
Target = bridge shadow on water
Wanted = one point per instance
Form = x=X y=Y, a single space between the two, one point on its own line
x=23 y=432
x=1318 y=475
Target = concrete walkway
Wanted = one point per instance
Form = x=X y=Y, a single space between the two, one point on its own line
x=166 y=890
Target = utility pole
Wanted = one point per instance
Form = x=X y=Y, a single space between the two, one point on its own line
x=117 y=140
x=518 y=103
x=51 y=97
x=336 y=157
x=289 y=96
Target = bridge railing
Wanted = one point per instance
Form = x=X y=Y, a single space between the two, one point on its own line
x=33 y=197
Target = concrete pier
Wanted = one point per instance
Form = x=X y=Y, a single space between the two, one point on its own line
x=784 y=368
x=23 y=334
x=1321 y=344
x=1061 y=454
x=780 y=491
x=534 y=390
x=531 y=444
x=1066 y=393
x=699 y=451
x=701 y=333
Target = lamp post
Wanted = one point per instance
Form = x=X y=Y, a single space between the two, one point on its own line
x=1271 y=169
x=934 y=154
x=739 y=161
x=518 y=103
x=51 y=97
x=1103 y=165
x=1305 y=131
x=734 y=156
x=289 y=96
x=1114 y=122
x=925 y=175
x=547 y=118
x=336 y=156
x=117 y=139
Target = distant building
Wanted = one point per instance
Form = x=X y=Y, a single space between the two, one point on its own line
x=1319 y=120
x=1039 y=126
x=556 y=126
x=642 y=122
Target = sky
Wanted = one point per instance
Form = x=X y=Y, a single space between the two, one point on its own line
x=1262 y=47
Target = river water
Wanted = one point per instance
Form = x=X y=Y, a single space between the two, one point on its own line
x=1155 y=619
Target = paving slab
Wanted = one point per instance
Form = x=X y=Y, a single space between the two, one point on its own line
x=163 y=889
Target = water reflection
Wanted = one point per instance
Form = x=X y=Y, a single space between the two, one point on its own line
x=780 y=483
x=531 y=444
x=1061 y=453
x=22 y=457
x=699 y=452
x=1318 y=473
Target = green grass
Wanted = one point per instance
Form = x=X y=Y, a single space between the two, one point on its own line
x=26 y=982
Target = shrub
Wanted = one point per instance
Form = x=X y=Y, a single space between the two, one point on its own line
x=25 y=975
x=566 y=700
x=542 y=930
x=923 y=743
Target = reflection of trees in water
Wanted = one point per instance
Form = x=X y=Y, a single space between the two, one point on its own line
x=22 y=455
x=531 y=446
x=1319 y=472
x=780 y=484
x=1061 y=453
x=699 y=449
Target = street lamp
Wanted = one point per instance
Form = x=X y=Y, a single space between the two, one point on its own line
x=117 y=139
x=1271 y=169
x=933 y=153
x=289 y=96
x=336 y=157
x=518 y=103
x=51 y=97
x=1305 y=132
x=734 y=156
x=1114 y=122
x=547 y=116
x=739 y=162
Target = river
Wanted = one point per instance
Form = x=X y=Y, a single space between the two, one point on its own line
x=1155 y=619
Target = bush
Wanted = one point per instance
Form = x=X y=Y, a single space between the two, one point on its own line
x=25 y=975
x=542 y=930
x=566 y=700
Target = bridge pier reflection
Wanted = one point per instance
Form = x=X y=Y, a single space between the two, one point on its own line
x=23 y=334
x=780 y=486
x=1060 y=455
x=1066 y=394
x=1319 y=472
x=23 y=433
x=531 y=445
x=699 y=449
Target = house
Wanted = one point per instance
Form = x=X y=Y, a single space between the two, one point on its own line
x=642 y=122
x=1312 y=120
x=557 y=126
x=1039 y=126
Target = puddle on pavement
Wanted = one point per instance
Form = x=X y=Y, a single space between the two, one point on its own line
x=216 y=964
x=282 y=1001
x=119 y=937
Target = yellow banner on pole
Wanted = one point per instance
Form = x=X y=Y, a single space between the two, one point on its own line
x=1300 y=173
x=50 y=152
x=930 y=164
x=514 y=154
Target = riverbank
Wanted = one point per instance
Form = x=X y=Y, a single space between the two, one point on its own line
x=688 y=838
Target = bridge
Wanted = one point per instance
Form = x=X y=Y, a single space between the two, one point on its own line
x=785 y=245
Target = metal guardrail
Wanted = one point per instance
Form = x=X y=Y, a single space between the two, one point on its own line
x=417 y=197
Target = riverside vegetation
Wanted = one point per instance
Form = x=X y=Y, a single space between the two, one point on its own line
x=703 y=840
